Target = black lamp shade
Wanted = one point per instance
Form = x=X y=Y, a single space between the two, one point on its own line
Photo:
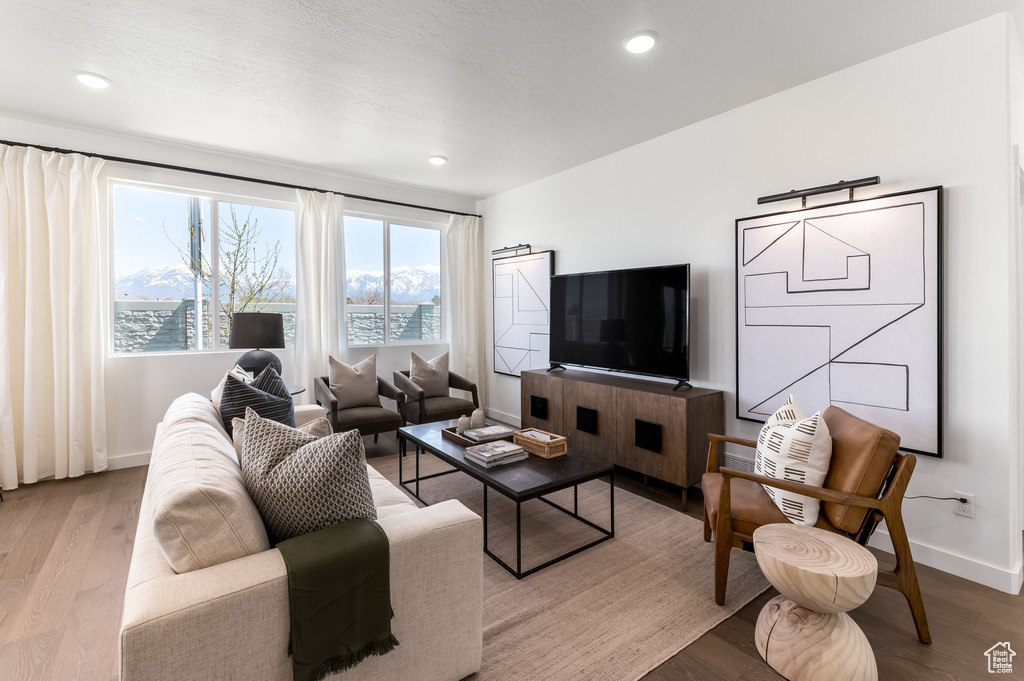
x=256 y=330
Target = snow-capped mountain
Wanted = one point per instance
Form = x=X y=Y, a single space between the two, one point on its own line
x=174 y=282
x=408 y=284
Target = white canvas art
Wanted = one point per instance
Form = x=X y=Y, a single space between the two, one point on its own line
x=522 y=312
x=840 y=305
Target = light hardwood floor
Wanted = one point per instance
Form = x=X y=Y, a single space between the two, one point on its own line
x=65 y=547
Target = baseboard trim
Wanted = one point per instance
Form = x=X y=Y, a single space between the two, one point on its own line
x=510 y=419
x=128 y=460
x=1002 y=579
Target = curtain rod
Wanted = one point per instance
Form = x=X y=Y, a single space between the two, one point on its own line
x=213 y=173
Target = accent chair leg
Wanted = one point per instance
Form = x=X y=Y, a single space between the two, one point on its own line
x=707 y=526
x=906 y=575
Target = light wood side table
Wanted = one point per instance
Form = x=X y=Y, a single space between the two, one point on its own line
x=805 y=633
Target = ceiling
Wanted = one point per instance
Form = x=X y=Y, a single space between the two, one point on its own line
x=509 y=90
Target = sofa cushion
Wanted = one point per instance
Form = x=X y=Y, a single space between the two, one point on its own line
x=430 y=375
x=302 y=483
x=354 y=385
x=387 y=499
x=267 y=395
x=202 y=513
x=792 y=446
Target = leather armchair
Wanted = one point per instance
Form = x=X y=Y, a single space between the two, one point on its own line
x=368 y=420
x=865 y=484
x=421 y=409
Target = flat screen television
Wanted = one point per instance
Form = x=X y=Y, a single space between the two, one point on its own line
x=635 y=320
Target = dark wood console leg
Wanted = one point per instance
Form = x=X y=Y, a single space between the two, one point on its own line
x=684 y=499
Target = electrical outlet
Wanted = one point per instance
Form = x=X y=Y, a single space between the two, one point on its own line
x=966 y=508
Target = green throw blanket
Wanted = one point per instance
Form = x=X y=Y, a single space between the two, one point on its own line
x=340 y=597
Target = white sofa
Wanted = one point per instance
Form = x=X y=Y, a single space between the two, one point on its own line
x=227 y=617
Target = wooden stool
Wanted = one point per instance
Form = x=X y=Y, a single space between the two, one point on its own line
x=805 y=633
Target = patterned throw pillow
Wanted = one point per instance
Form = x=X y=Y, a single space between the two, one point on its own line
x=267 y=394
x=431 y=376
x=320 y=427
x=354 y=385
x=236 y=371
x=792 y=446
x=301 y=483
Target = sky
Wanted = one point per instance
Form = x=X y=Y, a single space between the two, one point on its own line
x=147 y=220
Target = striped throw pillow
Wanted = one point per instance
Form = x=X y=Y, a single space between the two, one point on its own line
x=792 y=446
x=267 y=395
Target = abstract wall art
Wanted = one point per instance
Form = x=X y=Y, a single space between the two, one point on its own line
x=522 y=316
x=841 y=304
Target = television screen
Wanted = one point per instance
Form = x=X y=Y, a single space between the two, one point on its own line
x=633 y=320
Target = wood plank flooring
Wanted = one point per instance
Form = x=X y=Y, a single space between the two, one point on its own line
x=65 y=547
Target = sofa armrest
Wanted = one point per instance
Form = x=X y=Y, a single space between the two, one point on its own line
x=304 y=413
x=232 y=620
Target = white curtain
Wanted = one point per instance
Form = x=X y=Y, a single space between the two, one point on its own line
x=317 y=306
x=463 y=279
x=53 y=316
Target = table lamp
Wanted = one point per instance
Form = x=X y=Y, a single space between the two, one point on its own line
x=257 y=330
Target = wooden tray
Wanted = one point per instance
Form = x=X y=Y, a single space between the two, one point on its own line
x=545 y=449
x=450 y=434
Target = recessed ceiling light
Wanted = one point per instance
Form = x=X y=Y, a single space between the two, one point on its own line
x=438 y=160
x=640 y=42
x=93 y=80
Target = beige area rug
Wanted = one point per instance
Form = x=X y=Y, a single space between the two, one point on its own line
x=610 y=613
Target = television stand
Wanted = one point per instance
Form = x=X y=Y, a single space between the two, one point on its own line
x=643 y=426
x=682 y=384
x=555 y=366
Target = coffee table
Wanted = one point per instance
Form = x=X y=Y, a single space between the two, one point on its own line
x=521 y=481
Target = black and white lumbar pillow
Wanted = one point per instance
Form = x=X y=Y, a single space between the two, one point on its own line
x=301 y=483
x=793 y=446
x=267 y=394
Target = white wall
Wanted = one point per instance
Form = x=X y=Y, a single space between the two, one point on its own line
x=140 y=387
x=935 y=113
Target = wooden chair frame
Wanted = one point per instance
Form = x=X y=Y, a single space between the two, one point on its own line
x=888 y=507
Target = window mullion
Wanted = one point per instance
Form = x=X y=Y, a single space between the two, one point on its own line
x=387 y=282
x=214 y=304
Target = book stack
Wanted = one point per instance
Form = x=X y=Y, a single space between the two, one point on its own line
x=497 y=453
x=488 y=433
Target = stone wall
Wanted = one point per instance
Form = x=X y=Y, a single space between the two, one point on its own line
x=408 y=322
x=169 y=325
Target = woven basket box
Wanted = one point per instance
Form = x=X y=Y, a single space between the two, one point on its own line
x=546 y=449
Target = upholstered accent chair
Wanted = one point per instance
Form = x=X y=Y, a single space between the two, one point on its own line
x=866 y=481
x=418 y=408
x=369 y=420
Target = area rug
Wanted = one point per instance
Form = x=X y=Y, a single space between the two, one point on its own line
x=610 y=613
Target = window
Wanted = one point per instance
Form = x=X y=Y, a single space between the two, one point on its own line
x=166 y=257
x=392 y=281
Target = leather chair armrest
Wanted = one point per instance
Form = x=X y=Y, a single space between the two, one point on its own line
x=385 y=389
x=405 y=384
x=460 y=383
x=713 y=441
x=324 y=397
x=822 y=493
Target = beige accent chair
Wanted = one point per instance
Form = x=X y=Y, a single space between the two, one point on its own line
x=866 y=481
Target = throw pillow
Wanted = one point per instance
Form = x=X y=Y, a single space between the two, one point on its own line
x=792 y=446
x=267 y=394
x=320 y=427
x=431 y=376
x=236 y=371
x=302 y=483
x=354 y=385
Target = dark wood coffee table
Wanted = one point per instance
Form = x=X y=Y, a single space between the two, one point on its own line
x=519 y=481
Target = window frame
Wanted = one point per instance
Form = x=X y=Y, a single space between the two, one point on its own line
x=388 y=220
x=215 y=197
